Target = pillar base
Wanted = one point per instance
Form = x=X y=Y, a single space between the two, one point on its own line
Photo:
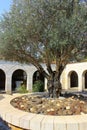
x=9 y=92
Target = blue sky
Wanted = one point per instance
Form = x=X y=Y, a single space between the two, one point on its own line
x=4 y=5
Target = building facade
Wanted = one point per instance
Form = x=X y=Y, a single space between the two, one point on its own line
x=74 y=77
x=12 y=75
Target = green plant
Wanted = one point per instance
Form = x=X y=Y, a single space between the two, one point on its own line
x=38 y=86
x=21 y=89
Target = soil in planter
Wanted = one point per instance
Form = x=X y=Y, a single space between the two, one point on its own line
x=47 y=106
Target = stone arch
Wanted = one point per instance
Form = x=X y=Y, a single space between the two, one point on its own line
x=37 y=76
x=2 y=80
x=73 y=79
x=84 y=76
x=19 y=77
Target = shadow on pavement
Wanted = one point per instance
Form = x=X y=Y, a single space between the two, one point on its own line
x=1 y=97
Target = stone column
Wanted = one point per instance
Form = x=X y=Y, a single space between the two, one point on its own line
x=8 y=84
x=29 y=82
x=65 y=81
x=45 y=84
x=80 y=85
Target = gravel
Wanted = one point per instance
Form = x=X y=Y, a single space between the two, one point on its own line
x=41 y=104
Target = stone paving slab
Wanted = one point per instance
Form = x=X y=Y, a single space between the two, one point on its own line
x=47 y=123
x=36 y=122
x=25 y=120
x=31 y=121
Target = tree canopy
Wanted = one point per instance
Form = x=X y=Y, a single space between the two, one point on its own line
x=36 y=31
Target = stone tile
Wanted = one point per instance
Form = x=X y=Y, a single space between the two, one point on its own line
x=3 y=115
x=25 y=120
x=83 y=126
x=72 y=126
x=71 y=123
x=16 y=118
x=59 y=123
x=47 y=123
x=83 y=122
x=8 y=117
x=36 y=122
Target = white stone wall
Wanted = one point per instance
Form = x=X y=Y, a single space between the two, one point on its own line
x=80 y=68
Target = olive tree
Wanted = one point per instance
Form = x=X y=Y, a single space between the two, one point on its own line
x=36 y=31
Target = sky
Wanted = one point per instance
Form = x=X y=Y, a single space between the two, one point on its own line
x=4 y=6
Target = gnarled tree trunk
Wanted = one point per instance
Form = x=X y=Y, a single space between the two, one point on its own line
x=54 y=86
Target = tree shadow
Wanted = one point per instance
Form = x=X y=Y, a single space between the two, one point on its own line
x=4 y=125
x=1 y=97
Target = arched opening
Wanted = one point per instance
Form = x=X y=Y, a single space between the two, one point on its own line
x=73 y=79
x=2 y=80
x=85 y=80
x=19 y=77
x=38 y=77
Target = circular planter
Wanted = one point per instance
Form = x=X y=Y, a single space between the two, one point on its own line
x=31 y=121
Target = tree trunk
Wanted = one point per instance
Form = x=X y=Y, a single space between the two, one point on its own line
x=54 y=85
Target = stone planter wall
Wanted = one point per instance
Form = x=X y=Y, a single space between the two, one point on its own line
x=29 y=121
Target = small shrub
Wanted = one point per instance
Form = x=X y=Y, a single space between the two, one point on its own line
x=38 y=86
x=21 y=89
